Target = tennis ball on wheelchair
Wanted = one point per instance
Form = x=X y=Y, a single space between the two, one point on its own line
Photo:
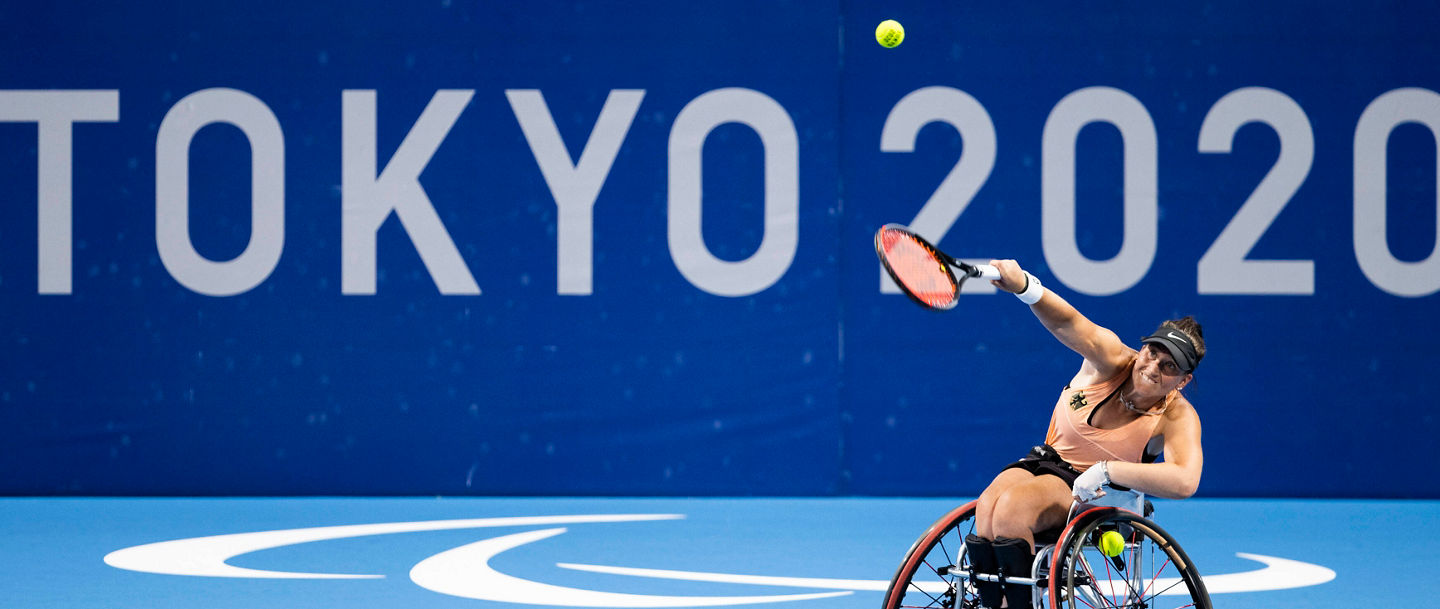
x=889 y=33
x=1112 y=544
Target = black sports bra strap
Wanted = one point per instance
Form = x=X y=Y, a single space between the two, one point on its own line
x=1090 y=420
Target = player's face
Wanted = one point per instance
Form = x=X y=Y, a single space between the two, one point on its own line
x=1156 y=370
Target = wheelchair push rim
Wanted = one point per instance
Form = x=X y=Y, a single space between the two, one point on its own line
x=1152 y=570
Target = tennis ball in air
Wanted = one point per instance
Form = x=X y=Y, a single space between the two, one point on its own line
x=889 y=33
x=1112 y=544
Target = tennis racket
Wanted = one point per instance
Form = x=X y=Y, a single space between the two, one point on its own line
x=921 y=270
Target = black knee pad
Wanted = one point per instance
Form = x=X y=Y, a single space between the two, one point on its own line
x=982 y=560
x=1014 y=559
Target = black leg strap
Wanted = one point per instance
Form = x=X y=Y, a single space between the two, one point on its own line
x=1014 y=559
x=982 y=560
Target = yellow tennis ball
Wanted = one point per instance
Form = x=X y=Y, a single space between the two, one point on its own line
x=889 y=33
x=1112 y=544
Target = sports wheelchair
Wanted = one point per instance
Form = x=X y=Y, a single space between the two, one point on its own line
x=1070 y=569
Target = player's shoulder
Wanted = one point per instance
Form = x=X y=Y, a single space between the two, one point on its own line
x=1180 y=410
x=1093 y=372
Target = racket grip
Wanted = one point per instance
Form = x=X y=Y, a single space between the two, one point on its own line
x=985 y=271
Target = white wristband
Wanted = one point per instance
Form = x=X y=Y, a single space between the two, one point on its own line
x=1033 y=290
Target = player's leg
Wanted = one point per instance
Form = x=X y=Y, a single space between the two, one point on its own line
x=979 y=545
x=998 y=487
x=1027 y=506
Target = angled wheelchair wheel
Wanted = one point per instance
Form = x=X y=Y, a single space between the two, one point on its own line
x=1151 y=570
x=925 y=579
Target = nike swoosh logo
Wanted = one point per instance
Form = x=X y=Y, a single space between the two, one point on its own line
x=1177 y=337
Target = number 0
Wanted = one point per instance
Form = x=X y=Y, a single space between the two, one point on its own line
x=1057 y=191
x=1372 y=250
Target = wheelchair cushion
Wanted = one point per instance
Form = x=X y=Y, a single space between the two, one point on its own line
x=1048 y=537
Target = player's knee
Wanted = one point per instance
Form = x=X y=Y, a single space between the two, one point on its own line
x=1012 y=515
x=988 y=498
x=986 y=502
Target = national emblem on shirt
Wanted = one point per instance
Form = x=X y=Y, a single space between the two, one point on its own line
x=1077 y=401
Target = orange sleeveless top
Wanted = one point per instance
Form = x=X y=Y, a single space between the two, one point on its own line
x=1081 y=445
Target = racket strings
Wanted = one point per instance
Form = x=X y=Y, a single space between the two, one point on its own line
x=918 y=270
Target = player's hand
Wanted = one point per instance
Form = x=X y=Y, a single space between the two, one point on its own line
x=1012 y=277
x=1090 y=485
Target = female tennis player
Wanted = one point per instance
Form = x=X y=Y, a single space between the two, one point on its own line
x=1118 y=401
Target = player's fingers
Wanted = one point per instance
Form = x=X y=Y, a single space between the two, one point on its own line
x=1010 y=275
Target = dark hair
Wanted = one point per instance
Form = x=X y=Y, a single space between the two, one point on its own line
x=1191 y=329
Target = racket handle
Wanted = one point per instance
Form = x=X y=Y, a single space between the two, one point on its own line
x=985 y=271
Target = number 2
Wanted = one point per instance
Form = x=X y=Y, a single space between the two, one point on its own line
x=1224 y=268
x=957 y=109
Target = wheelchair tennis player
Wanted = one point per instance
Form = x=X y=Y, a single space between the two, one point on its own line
x=1119 y=401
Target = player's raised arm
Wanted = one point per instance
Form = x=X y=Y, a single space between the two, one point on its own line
x=1100 y=347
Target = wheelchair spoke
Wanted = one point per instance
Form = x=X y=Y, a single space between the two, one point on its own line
x=1086 y=595
x=940 y=589
x=934 y=601
x=1159 y=593
x=1134 y=569
x=1147 y=598
x=1122 y=588
x=1154 y=577
x=1102 y=595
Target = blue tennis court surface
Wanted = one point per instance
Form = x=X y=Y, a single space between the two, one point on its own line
x=484 y=553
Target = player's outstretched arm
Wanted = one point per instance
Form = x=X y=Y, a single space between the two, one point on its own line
x=1100 y=347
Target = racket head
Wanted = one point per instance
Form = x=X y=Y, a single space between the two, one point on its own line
x=921 y=270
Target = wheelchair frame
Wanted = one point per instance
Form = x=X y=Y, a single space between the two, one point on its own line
x=1064 y=572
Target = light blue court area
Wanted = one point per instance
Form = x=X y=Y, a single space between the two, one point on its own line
x=489 y=553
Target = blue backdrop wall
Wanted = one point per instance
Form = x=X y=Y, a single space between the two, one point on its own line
x=625 y=248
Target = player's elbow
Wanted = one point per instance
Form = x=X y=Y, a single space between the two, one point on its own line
x=1181 y=484
x=1187 y=484
x=1188 y=490
x=1177 y=491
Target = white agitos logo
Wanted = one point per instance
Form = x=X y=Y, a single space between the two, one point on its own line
x=466 y=572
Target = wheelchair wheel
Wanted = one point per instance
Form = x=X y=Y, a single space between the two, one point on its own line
x=924 y=579
x=1151 y=571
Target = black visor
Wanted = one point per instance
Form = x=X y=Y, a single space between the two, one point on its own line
x=1177 y=345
